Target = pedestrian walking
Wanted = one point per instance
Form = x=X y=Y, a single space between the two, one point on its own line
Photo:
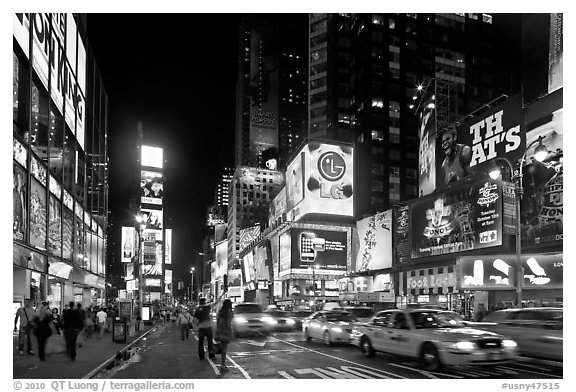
x=101 y=319
x=203 y=322
x=72 y=323
x=184 y=320
x=224 y=333
x=57 y=320
x=26 y=316
x=82 y=332
x=43 y=329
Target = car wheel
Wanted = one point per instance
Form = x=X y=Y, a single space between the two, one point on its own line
x=327 y=339
x=307 y=335
x=366 y=347
x=429 y=357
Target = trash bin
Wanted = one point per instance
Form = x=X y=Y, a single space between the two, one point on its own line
x=119 y=331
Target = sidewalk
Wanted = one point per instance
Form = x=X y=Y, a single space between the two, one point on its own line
x=94 y=352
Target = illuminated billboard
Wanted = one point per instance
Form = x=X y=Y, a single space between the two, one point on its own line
x=152 y=218
x=128 y=244
x=168 y=247
x=326 y=172
x=247 y=236
x=151 y=187
x=221 y=259
x=497 y=271
x=375 y=234
x=152 y=157
x=466 y=217
x=427 y=134
x=496 y=132
x=321 y=248
x=248 y=266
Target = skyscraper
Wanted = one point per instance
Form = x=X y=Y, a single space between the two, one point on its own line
x=271 y=89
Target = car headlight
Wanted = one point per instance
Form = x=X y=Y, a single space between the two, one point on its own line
x=269 y=320
x=464 y=345
x=240 y=320
x=508 y=343
x=336 y=329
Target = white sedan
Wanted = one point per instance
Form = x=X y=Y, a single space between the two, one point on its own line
x=432 y=336
x=330 y=326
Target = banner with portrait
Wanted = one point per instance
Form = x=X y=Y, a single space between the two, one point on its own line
x=55 y=227
x=19 y=208
x=37 y=215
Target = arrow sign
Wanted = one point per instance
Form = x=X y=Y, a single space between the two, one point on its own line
x=259 y=344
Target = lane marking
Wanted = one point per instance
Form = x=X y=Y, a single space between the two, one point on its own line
x=532 y=371
x=340 y=359
x=285 y=374
x=423 y=372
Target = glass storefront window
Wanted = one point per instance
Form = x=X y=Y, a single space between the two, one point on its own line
x=39 y=122
x=67 y=230
x=56 y=145
x=19 y=78
x=80 y=173
x=69 y=159
x=55 y=294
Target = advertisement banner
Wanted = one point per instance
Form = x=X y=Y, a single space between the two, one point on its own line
x=67 y=229
x=295 y=182
x=285 y=251
x=221 y=259
x=556 y=55
x=129 y=244
x=248 y=235
x=261 y=263
x=19 y=199
x=248 y=266
x=55 y=227
x=402 y=233
x=234 y=278
x=278 y=208
x=151 y=187
x=152 y=218
x=497 y=271
x=375 y=234
x=37 y=215
x=427 y=134
x=542 y=207
x=216 y=215
x=466 y=217
x=497 y=132
x=168 y=247
x=324 y=249
x=328 y=181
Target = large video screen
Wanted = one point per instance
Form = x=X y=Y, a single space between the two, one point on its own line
x=151 y=187
x=321 y=248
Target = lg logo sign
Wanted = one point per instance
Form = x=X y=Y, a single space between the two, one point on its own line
x=331 y=166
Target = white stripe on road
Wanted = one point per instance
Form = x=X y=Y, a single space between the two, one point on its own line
x=393 y=375
x=532 y=371
x=215 y=367
x=423 y=372
x=285 y=374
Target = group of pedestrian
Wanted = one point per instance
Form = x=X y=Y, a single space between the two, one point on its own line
x=203 y=321
x=75 y=323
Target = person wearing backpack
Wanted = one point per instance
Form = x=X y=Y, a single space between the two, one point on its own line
x=203 y=322
x=184 y=320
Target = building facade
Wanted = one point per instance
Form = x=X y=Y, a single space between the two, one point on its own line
x=60 y=163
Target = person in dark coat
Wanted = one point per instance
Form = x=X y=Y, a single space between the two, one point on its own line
x=224 y=329
x=42 y=331
x=72 y=323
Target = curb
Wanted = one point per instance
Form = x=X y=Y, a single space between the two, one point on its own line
x=94 y=371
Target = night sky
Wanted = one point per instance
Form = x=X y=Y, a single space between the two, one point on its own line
x=176 y=74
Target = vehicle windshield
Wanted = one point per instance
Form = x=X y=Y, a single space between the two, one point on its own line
x=277 y=313
x=340 y=317
x=248 y=309
x=436 y=320
x=360 y=312
x=301 y=313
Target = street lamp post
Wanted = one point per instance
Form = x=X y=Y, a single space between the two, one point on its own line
x=192 y=284
x=540 y=153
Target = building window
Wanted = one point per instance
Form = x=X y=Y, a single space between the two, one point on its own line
x=394 y=155
x=450 y=269
x=487 y=18
x=377 y=186
x=377 y=103
x=394 y=135
x=440 y=270
x=391 y=24
x=377 y=20
x=377 y=135
x=377 y=169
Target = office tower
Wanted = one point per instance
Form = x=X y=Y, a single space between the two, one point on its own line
x=271 y=89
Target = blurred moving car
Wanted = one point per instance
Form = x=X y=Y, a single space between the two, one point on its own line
x=433 y=336
x=362 y=313
x=279 y=320
x=299 y=316
x=538 y=331
x=249 y=317
x=331 y=326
